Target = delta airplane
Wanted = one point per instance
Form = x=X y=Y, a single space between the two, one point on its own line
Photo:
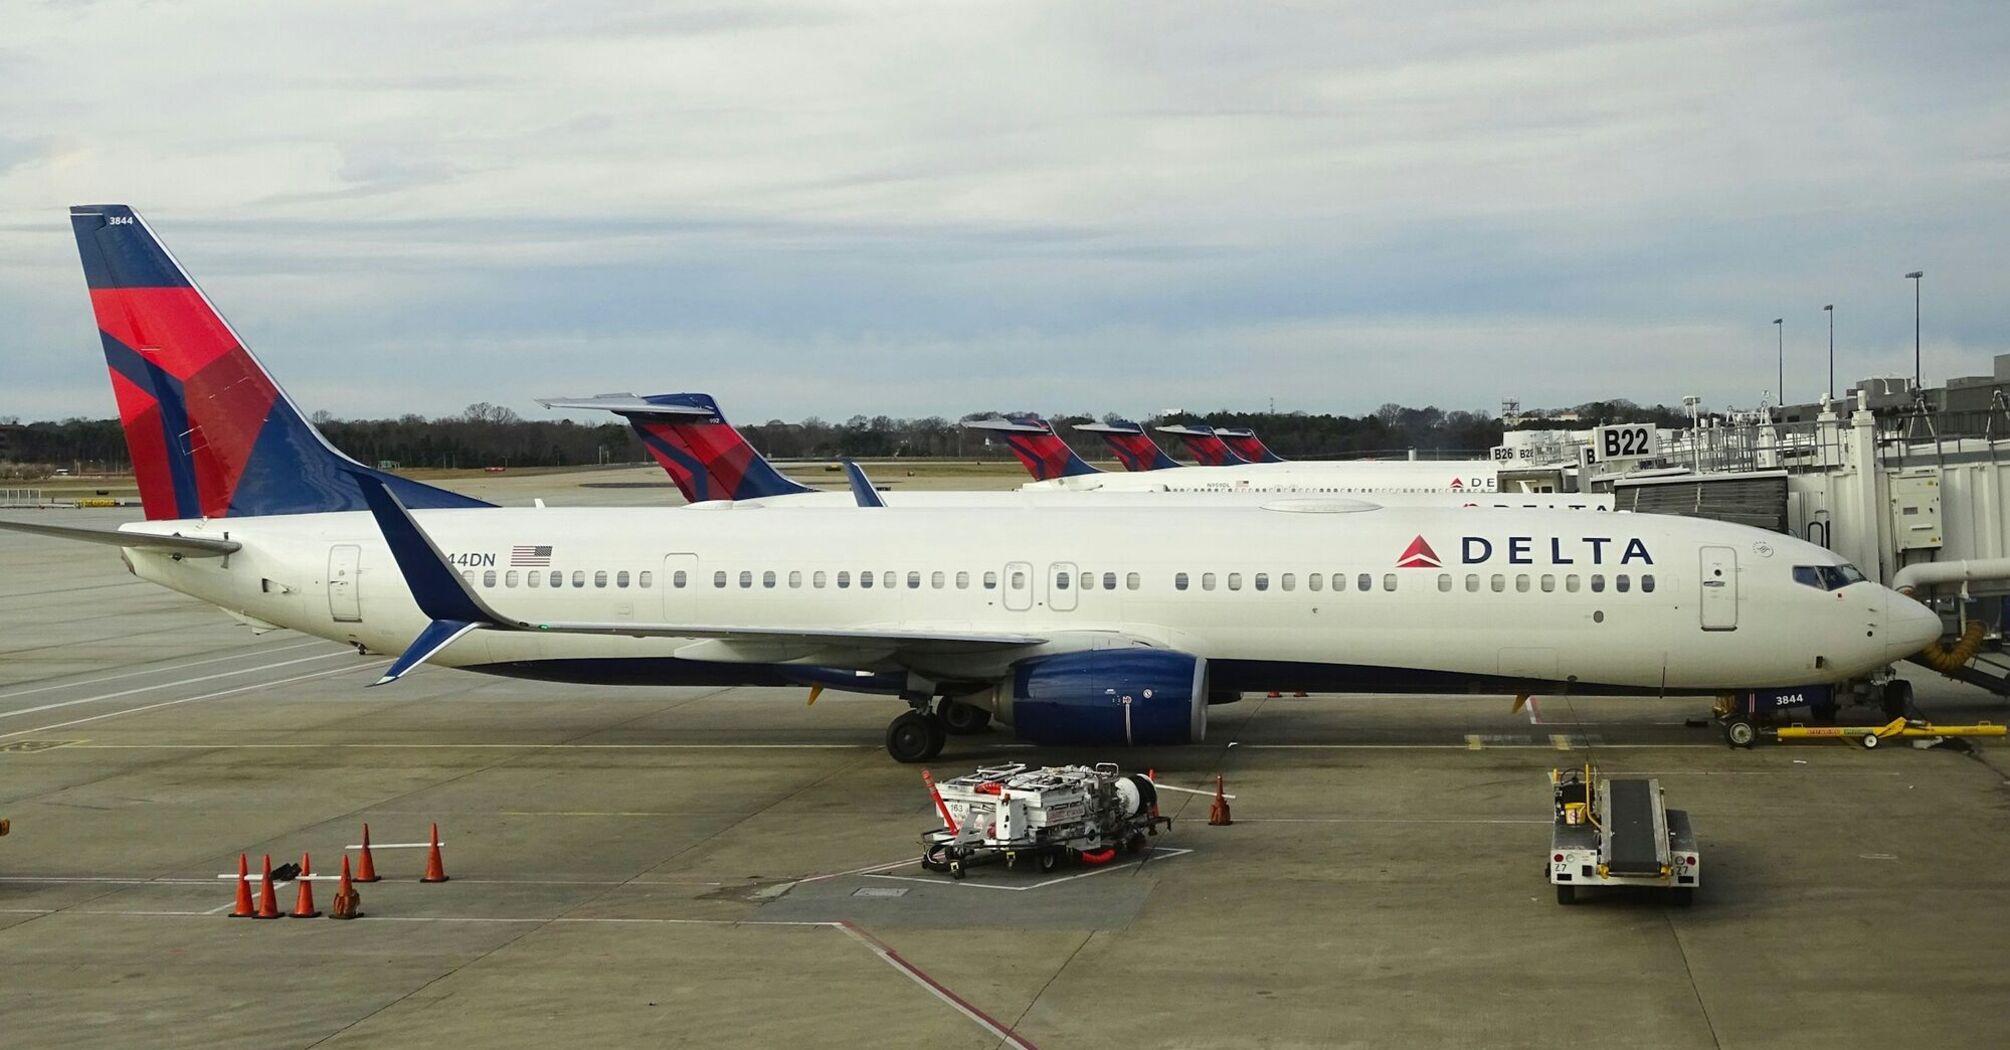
x=1207 y=447
x=1133 y=448
x=1072 y=626
x=1055 y=466
x=709 y=460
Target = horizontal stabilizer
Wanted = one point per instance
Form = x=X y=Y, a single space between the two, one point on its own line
x=630 y=404
x=192 y=546
x=437 y=636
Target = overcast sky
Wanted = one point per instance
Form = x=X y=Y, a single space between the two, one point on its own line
x=922 y=208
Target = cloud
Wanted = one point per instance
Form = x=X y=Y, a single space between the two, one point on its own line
x=911 y=208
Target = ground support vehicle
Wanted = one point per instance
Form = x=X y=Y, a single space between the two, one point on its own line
x=1047 y=816
x=1618 y=832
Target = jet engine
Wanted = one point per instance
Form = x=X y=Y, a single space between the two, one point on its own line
x=1140 y=697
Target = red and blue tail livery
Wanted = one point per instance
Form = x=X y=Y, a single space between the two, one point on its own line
x=1244 y=442
x=1044 y=454
x=1208 y=449
x=1134 y=448
x=688 y=435
x=211 y=434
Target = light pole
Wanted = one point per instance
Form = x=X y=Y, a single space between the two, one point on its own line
x=1780 y=392
x=1830 y=309
x=1918 y=391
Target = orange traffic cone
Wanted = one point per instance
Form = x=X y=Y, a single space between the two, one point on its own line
x=1273 y=695
x=347 y=900
x=303 y=903
x=268 y=906
x=435 y=871
x=1153 y=776
x=243 y=909
x=366 y=867
x=1217 y=814
x=1300 y=693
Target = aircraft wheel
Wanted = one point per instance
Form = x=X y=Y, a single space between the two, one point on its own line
x=961 y=719
x=1740 y=732
x=914 y=737
x=1897 y=698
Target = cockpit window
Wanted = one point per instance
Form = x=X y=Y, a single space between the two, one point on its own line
x=1827 y=577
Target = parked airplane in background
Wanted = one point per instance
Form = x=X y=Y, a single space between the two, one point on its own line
x=1134 y=448
x=689 y=437
x=1246 y=445
x=1072 y=625
x=1208 y=449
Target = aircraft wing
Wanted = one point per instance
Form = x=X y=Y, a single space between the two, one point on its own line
x=192 y=546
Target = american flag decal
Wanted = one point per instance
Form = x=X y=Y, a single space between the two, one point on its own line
x=530 y=557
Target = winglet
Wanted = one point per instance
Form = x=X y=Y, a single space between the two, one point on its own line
x=861 y=486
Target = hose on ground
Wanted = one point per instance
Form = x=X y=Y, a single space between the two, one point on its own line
x=1946 y=660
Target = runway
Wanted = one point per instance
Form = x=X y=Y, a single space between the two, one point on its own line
x=709 y=867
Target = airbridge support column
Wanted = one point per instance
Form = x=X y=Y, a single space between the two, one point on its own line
x=1862 y=537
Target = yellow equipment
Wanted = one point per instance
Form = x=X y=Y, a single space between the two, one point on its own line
x=1872 y=736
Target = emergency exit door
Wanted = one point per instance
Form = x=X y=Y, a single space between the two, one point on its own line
x=343 y=562
x=1719 y=576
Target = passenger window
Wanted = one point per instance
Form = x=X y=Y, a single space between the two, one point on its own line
x=990 y=581
x=1622 y=583
x=865 y=580
x=489 y=578
x=1444 y=583
x=963 y=581
x=746 y=578
x=817 y=579
x=1131 y=581
x=795 y=579
x=1366 y=582
x=1109 y=581
x=468 y=575
x=558 y=579
x=1497 y=582
x=1472 y=583
x=887 y=579
x=1207 y=581
x=1179 y=581
x=1262 y=581
x=768 y=579
x=1548 y=583
x=1647 y=583
x=621 y=578
x=1597 y=583
x=844 y=579
x=1287 y=581
x=1339 y=582
x=1521 y=583
x=645 y=579
x=1388 y=581
x=579 y=578
x=1018 y=579
x=1314 y=581
x=1088 y=581
x=913 y=581
x=937 y=578
x=1234 y=581
x=510 y=578
x=533 y=579
x=1570 y=583
x=1060 y=581
x=600 y=578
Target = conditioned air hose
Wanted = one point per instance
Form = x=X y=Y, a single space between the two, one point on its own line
x=1947 y=661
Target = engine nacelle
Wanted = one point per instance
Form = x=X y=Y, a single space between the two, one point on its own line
x=1140 y=697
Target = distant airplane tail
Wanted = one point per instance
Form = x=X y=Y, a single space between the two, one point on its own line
x=687 y=434
x=1044 y=454
x=210 y=432
x=1134 y=448
x=1244 y=442
x=1208 y=449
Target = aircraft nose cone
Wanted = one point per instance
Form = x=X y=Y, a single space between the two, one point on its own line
x=1908 y=625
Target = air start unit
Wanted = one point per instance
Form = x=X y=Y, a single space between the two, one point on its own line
x=1010 y=812
x=1617 y=832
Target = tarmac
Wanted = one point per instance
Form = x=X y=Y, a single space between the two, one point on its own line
x=731 y=867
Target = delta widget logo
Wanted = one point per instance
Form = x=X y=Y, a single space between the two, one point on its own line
x=1418 y=555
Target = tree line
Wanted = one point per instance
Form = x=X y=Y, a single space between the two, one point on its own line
x=485 y=435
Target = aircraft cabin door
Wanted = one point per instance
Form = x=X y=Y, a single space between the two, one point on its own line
x=1018 y=585
x=1719 y=578
x=680 y=577
x=343 y=564
x=1061 y=586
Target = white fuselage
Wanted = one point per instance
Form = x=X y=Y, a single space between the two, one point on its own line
x=1027 y=498
x=1619 y=602
x=1301 y=477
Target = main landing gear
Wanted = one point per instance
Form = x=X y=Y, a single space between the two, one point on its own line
x=918 y=735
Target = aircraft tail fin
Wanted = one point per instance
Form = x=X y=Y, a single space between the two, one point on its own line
x=1134 y=448
x=1033 y=440
x=690 y=438
x=210 y=433
x=1208 y=449
x=1244 y=442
